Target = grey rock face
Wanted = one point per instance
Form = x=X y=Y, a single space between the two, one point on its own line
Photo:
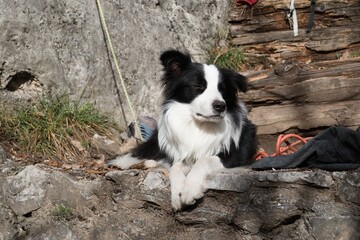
x=28 y=190
x=25 y=192
x=9 y=228
x=2 y=155
x=59 y=46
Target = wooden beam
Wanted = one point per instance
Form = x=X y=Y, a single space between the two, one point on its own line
x=304 y=99
x=304 y=90
x=318 y=40
x=280 y=118
x=325 y=11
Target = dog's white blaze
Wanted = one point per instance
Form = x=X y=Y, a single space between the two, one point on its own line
x=202 y=104
x=212 y=79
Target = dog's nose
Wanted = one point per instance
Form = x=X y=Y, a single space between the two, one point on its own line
x=219 y=106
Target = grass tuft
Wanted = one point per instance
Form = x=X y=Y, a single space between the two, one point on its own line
x=236 y=59
x=62 y=211
x=56 y=128
x=355 y=54
x=231 y=58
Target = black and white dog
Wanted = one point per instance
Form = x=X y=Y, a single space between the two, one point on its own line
x=203 y=128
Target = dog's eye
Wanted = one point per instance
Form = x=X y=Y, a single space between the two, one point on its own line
x=222 y=87
x=199 y=87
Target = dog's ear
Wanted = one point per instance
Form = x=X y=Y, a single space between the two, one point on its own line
x=239 y=81
x=174 y=61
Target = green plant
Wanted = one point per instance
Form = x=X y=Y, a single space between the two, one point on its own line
x=56 y=127
x=355 y=54
x=222 y=34
x=62 y=211
x=231 y=58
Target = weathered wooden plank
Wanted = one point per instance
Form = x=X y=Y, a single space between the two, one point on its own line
x=330 y=9
x=336 y=31
x=327 y=89
x=324 y=39
x=334 y=39
x=280 y=118
x=276 y=21
x=268 y=78
x=278 y=51
x=305 y=99
x=319 y=95
x=339 y=62
x=256 y=38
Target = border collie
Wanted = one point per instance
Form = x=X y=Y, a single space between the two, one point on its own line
x=203 y=127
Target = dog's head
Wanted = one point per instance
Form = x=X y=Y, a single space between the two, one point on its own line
x=210 y=91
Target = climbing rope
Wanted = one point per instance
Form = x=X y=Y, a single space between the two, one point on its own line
x=280 y=149
x=111 y=48
x=292 y=18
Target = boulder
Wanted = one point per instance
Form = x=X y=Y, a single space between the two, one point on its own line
x=59 y=47
x=26 y=191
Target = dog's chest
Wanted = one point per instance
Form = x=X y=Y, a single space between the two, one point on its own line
x=182 y=138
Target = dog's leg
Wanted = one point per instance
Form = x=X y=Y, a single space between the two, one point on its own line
x=178 y=172
x=194 y=184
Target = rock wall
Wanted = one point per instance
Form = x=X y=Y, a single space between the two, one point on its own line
x=59 y=46
x=38 y=202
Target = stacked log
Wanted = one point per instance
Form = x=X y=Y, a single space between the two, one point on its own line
x=314 y=81
x=264 y=29
x=305 y=99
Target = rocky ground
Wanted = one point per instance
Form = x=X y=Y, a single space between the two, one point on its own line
x=42 y=202
x=60 y=43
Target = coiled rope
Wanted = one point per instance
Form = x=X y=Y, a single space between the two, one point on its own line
x=281 y=150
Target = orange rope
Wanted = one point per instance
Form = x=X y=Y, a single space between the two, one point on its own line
x=288 y=149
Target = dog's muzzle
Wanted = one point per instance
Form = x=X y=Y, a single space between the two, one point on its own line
x=219 y=106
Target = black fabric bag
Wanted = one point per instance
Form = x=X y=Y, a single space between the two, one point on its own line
x=335 y=149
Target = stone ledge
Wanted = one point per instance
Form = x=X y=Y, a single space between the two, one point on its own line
x=242 y=179
x=240 y=204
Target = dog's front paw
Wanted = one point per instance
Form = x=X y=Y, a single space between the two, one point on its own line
x=176 y=201
x=192 y=191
